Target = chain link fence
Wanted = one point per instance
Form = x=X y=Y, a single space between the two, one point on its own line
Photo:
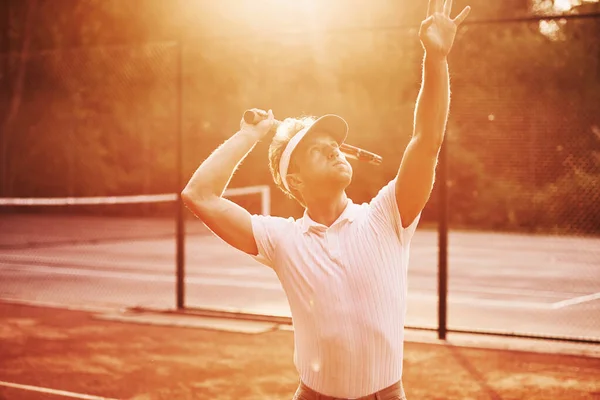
x=524 y=135
x=522 y=142
x=524 y=167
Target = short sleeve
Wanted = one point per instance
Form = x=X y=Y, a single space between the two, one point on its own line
x=267 y=231
x=384 y=212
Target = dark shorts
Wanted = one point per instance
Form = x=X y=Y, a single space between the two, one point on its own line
x=393 y=392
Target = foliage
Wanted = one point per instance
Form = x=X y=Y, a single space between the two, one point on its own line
x=98 y=105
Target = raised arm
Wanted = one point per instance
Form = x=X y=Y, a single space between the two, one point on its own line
x=203 y=193
x=417 y=168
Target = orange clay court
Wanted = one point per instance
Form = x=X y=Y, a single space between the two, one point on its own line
x=88 y=354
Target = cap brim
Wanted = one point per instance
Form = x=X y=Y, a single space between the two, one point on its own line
x=333 y=125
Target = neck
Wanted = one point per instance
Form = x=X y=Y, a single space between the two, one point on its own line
x=326 y=210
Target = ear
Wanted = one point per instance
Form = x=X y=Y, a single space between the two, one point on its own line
x=295 y=181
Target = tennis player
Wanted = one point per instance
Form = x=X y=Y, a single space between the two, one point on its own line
x=343 y=266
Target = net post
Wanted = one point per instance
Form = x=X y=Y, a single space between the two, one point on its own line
x=442 y=242
x=180 y=227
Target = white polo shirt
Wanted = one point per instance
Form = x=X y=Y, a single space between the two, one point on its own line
x=346 y=286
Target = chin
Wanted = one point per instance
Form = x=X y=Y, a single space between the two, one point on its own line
x=343 y=180
x=347 y=175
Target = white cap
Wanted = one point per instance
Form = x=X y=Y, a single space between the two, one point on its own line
x=330 y=123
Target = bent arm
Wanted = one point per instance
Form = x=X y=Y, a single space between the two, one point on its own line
x=203 y=193
x=416 y=174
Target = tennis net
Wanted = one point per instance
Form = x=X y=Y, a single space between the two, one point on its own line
x=40 y=222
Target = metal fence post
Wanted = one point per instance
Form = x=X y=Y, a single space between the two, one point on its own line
x=180 y=227
x=442 y=242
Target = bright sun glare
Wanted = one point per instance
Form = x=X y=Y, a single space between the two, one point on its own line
x=552 y=28
x=563 y=5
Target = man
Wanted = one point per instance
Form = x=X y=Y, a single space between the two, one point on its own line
x=342 y=265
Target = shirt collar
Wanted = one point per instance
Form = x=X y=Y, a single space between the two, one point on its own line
x=348 y=214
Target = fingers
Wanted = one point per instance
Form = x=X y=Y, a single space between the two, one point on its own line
x=432 y=7
x=427 y=23
x=439 y=6
x=268 y=116
x=447 y=7
x=461 y=17
x=260 y=112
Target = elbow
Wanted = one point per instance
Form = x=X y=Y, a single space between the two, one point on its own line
x=188 y=199
x=188 y=192
x=186 y=196
x=197 y=202
x=194 y=196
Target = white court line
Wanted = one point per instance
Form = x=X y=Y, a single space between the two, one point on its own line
x=53 y=391
x=576 y=300
x=250 y=269
x=275 y=285
x=464 y=287
x=41 y=269
x=473 y=301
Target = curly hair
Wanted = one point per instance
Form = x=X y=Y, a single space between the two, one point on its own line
x=285 y=132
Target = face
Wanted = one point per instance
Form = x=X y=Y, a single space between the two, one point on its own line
x=319 y=166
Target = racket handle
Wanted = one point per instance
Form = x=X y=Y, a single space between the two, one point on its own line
x=253 y=117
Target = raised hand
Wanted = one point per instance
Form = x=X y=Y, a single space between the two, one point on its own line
x=261 y=128
x=438 y=30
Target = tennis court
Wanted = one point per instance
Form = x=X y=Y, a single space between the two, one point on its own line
x=540 y=285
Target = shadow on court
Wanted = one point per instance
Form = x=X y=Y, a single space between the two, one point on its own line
x=76 y=352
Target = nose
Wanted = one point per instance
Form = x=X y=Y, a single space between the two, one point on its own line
x=333 y=153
